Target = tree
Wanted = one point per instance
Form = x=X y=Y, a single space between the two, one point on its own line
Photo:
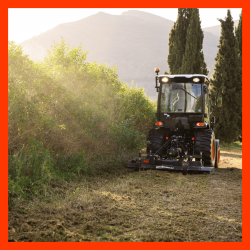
x=193 y=58
x=177 y=40
x=226 y=83
x=185 y=39
x=238 y=34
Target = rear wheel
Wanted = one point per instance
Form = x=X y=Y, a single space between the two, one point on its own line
x=205 y=143
x=156 y=139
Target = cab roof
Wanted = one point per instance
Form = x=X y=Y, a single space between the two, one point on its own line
x=203 y=78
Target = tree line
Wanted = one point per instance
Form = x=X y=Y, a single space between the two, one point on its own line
x=186 y=57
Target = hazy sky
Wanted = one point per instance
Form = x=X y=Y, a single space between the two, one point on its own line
x=24 y=23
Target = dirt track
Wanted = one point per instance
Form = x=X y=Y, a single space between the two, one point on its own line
x=124 y=205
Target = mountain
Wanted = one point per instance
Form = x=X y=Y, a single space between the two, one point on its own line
x=135 y=41
x=216 y=30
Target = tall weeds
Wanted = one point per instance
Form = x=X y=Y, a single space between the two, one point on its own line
x=80 y=114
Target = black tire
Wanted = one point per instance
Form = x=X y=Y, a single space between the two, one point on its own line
x=205 y=143
x=217 y=158
x=157 y=138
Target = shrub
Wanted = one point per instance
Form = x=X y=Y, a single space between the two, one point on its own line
x=29 y=169
x=67 y=115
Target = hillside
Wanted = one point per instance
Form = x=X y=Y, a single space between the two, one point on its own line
x=216 y=30
x=135 y=41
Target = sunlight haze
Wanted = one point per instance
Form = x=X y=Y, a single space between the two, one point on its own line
x=24 y=23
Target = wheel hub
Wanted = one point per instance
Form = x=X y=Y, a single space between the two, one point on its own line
x=218 y=157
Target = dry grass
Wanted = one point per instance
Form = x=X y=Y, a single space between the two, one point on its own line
x=123 y=205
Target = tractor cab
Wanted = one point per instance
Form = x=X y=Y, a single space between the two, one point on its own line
x=183 y=96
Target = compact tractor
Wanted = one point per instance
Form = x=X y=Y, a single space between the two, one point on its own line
x=183 y=137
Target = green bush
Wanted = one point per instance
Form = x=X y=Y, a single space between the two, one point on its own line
x=71 y=166
x=126 y=137
x=235 y=145
x=79 y=116
x=33 y=168
x=29 y=169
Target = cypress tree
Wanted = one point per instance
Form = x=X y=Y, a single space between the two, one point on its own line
x=193 y=59
x=185 y=44
x=226 y=81
x=238 y=34
x=177 y=40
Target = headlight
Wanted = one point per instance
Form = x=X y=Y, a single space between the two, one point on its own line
x=196 y=79
x=164 y=79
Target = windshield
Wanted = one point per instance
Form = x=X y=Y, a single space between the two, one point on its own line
x=181 y=97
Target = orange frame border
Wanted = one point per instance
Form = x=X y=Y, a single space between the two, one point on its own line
x=4 y=124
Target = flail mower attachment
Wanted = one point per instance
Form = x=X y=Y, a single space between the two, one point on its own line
x=185 y=163
x=154 y=163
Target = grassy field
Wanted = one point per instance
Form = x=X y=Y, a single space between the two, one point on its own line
x=147 y=206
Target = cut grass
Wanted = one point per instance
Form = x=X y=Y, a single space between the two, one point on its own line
x=123 y=205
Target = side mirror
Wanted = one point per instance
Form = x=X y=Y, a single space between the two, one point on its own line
x=156 y=83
